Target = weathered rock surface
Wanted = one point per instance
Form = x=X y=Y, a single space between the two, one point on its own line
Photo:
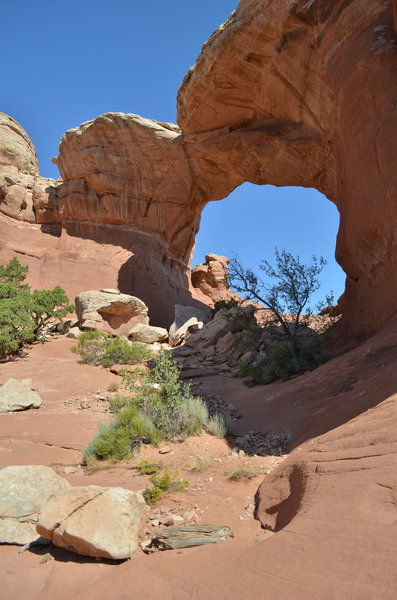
x=212 y=277
x=24 y=195
x=149 y=334
x=186 y=320
x=274 y=98
x=17 y=395
x=187 y=536
x=110 y=311
x=94 y=521
x=23 y=492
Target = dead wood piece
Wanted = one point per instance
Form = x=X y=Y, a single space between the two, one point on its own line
x=186 y=536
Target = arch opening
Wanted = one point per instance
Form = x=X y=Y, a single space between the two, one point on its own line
x=254 y=219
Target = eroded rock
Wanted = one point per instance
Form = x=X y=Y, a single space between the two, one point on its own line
x=17 y=395
x=110 y=311
x=94 y=521
x=149 y=334
x=23 y=492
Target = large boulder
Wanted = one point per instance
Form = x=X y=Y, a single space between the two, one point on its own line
x=94 y=521
x=187 y=319
x=23 y=492
x=17 y=395
x=110 y=311
x=149 y=334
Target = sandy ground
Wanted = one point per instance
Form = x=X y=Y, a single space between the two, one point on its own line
x=329 y=540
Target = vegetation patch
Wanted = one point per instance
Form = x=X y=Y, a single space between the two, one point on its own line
x=23 y=313
x=103 y=349
x=200 y=463
x=168 y=481
x=160 y=406
x=244 y=472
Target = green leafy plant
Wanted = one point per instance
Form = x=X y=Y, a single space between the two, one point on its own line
x=286 y=293
x=148 y=467
x=219 y=425
x=24 y=313
x=168 y=481
x=160 y=407
x=104 y=349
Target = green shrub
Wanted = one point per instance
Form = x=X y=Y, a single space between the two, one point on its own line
x=220 y=304
x=103 y=349
x=160 y=407
x=117 y=402
x=23 y=313
x=147 y=467
x=167 y=482
x=219 y=425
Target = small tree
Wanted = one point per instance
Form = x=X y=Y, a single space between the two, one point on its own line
x=22 y=313
x=290 y=286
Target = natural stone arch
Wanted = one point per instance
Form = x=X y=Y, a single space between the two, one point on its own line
x=287 y=93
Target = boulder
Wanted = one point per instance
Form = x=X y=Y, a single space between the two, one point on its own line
x=23 y=492
x=17 y=395
x=149 y=334
x=183 y=314
x=181 y=334
x=110 y=311
x=94 y=521
x=73 y=333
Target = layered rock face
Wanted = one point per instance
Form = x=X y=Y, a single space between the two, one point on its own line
x=303 y=93
x=284 y=93
x=24 y=195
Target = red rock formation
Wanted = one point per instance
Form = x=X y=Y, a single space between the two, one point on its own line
x=303 y=93
x=212 y=277
x=284 y=93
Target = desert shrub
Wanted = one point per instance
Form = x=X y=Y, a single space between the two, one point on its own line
x=168 y=481
x=160 y=407
x=123 y=436
x=166 y=399
x=244 y=472
x=24 y=313
x=113 y=386
x=147 y=467
x=117 y=402
x=200 y=463
x=219 y=425
x=104 y=349
x=221 y=304
x=259 y=371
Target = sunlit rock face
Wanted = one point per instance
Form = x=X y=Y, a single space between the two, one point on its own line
x=303 y=93
x=284 y=93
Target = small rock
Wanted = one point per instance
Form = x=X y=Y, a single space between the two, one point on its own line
x=189 y=515
x=69 y=470
x=173 y=520
x=164 y=450
x=155 y=522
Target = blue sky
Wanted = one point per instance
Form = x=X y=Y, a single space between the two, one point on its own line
x=65 y=63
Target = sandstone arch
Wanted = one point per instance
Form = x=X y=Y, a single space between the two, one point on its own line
x=286 y=93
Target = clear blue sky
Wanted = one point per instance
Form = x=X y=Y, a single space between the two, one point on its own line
x=63 y=63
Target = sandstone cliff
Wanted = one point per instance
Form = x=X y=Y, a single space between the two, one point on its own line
x=284 y=93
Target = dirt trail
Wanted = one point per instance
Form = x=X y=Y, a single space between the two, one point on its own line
x=332 y=502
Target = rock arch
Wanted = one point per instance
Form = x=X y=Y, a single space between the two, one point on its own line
x=287 y=93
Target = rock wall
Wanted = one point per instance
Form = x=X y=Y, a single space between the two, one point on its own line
x=284 y=93
x=303 y=93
